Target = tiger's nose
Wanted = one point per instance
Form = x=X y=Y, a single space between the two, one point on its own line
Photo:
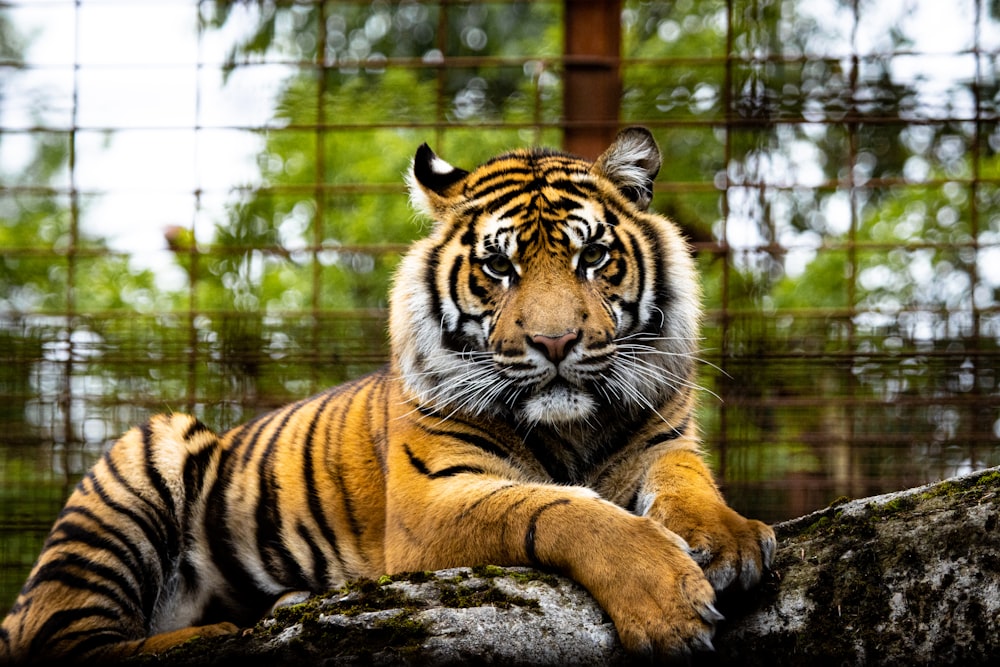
x=554 y=348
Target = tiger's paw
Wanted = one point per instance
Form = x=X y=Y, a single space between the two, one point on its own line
x=676 y=625
x=731 y=549
x=659 y=599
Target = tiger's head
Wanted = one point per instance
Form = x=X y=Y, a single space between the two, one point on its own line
x=546 y=290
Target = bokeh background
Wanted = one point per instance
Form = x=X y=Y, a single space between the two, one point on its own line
x=201 y=205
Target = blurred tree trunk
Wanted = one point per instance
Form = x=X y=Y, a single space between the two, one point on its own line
x=906 y=578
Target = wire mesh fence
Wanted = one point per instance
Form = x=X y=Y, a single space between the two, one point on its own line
x=202 y=204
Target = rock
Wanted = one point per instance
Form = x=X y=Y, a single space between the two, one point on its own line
x=906 y=578
x=488 y=615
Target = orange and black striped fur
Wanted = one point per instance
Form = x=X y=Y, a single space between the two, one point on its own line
x=538 y=410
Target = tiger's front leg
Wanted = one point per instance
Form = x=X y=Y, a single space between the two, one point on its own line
x=680 y=493
x=639 y=572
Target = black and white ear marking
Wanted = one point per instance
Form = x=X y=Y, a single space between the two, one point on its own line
x=431 y=182
x=433 y=173
x=631 y=163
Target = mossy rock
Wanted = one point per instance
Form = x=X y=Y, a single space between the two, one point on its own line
x=449 y=617
x=903 y=579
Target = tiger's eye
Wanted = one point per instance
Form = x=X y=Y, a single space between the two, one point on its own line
x=498 y=266
x=593 y=255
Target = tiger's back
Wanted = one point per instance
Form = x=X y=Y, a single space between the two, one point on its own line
x=538 y=410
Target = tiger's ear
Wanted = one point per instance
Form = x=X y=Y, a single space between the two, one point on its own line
x=631 y=163
x=432 y=182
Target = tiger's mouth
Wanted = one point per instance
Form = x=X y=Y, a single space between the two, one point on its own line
x=558 y=401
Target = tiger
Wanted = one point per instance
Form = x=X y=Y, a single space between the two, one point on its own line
x=537 y=409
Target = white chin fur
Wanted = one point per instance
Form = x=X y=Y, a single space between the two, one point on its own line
x=558 y=405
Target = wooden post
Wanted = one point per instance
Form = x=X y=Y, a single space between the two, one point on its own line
x=592 y=86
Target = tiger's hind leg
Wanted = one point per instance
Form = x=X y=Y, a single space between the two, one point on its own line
x=111 y=561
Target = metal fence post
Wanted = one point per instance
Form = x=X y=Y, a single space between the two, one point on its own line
x=592 y=85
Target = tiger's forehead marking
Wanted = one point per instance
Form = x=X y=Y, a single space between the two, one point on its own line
x=524 y=169
x=526 y=230
x=533 y=201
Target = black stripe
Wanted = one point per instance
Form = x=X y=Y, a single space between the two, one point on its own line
x=93 y=640
x=503 y=198
x=416 y=462
x=616 y=277
x=270 y=543
x=428 y=411
x=430 y=275
x=450 y=471
x=529 y=535
x=18 y=606
x=153 y=473
x=563 y=204
x=452 y=338
x=58 y=571
x=493 y=186
x=194 y=429
x=453 y=281
x=245 y=438
x=74 y=534
x=611 y=218
x=313 y=499
x=223 y=549
x=105 y=528
x=476 y=288
x=635 y=249
x=431 y=266
x=167 y=529
x=507 y=202
x=62 y=618
x=153 y=536
x=240 y=436
x=663 y=294
x=195 y=468
x=345 y=494
x=320 y=564
x=666 y=436
x=477 y=441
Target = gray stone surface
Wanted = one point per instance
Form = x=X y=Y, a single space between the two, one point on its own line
x=910 y=578
x=486 y=615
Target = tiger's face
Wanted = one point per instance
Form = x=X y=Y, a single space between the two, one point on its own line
x=546 y=290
